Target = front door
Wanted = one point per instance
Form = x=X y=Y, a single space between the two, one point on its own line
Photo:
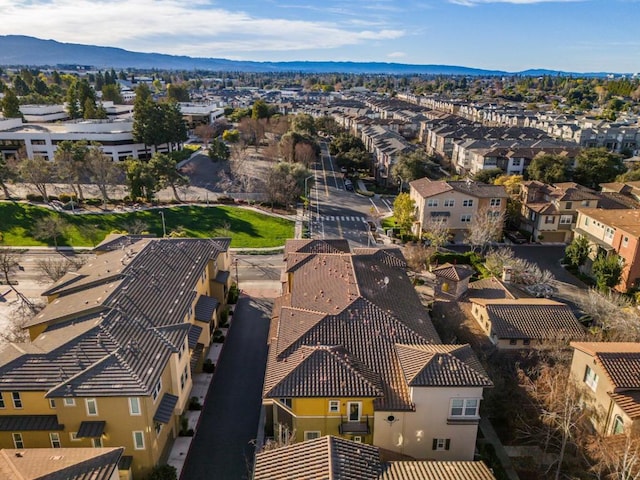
x=354 y=409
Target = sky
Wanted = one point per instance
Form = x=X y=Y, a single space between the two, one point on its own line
x=511 y=35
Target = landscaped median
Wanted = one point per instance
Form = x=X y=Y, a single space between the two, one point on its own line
x=23 y=224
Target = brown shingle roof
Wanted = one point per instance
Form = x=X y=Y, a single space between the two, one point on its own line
x=453 y=272
x=627 y=220
x=623 y=368
x=427 y=188
x=629 y=402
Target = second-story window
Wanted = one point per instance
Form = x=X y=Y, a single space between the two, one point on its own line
x=495 y=202
x=450 y=203
x=17 y=401
x=466 y=218
x=156 y=390
x=464 y=407
x=590 y=378
x=432 y=202
x=92 y=407
x=134 y=406
x=566 y=219
x=608 y=233
x=467 y=203
x=334 y=406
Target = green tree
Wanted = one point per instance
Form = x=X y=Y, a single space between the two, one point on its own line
x=489 y=175
x=260 y=109
x=404 y=209
x=163 y=169
x=304 y=124
x=139 y=179
x=11 y=105
x=413 y=165
x=72 y=102
x=577 y=252
x=631 y=175
x=285 y=183
x=597 y=165
x=142 y=121
x=607 y=270
x=89 y=110
x=178 y=93
x=111 y=93
x=8 y=173
x=218 y=150
x=20 y=86
x=548 y=168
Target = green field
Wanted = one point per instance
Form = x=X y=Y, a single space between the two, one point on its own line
x=247 y=228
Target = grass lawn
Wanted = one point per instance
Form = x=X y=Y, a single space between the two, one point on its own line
x=247 y=229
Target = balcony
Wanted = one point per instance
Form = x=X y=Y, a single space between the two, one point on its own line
x=360 y=427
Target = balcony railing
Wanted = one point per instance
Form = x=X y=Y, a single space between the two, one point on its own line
x=361 y=427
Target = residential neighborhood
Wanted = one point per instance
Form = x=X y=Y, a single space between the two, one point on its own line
x=274 y=276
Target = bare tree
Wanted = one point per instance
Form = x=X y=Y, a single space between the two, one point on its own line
x=135 y=227
x=15 y=330
x=436 y=231
x=305 y=154
x=486 y=226
x=613 y=315
x=559 y=401
x=522 y=271
x=616 y=457
x=417 y=256
x=9 y=266
x=37 y=172
x=102 y=171
x=54 y=268
x=50 y=228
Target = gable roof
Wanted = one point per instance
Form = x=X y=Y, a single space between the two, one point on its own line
x=453 y=272
x=324 y=458
x=417 y=470
x=59 y=463
x=531 y=318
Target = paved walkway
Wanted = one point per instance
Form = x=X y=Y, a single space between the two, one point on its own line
x=491 y=437
x=223 y=444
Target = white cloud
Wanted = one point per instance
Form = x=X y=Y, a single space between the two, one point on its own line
x=473 y=3
x=396 y=55
x=172 y=26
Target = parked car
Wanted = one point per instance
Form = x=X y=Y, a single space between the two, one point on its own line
x=372 y=226
x=516 y=237
x=348 y=185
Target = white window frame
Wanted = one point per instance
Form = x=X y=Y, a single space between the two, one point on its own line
x=311 y=434
x=617 y=421
x=156 y=391
x=96 y=442
x=52 y=403
x=334 y=406
x=94 y=402
x=464 y=407
x=591 y=378
x=549 y=220
x=465 y=218
x=184 y=377
x=516 y=162
x=73 y=436
x=54 y=438
x=136 y=445
x=608 y=233
x=136 y=401
x=451 y=202
x=18 y=441
x=357 y=438
x=433 y=202
x=566 y=219
x=69 y=402
x=468 y=202
x=441 y=444
x=359 y=404
x=157 y=428
x=625 y=241
x=17 y=400
x=495 y=202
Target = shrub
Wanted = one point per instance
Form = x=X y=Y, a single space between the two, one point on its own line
x=209 y=366
x=365 y=193
x=218 y=336
x=225 y=199
x=67 y=197
x=33 y=197
x=224 y=317
x=163 y=472
x=93 y=202
x=194 y=404
x=234 y=293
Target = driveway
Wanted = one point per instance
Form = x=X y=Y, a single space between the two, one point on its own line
x=222 y=448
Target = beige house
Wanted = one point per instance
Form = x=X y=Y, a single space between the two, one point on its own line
x=353 y=353
x=452 y=280
x=609 y=373
x=525 y=322
x=549 y=212
x=456 y=203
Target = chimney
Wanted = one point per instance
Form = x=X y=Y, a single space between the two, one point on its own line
x=506 y=274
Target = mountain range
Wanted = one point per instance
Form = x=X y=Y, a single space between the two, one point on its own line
x=20 y=50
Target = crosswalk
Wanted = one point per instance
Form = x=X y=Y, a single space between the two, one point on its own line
x=342 y=218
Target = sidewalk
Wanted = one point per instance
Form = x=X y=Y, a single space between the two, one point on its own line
x=491 y=437
x=201 y=382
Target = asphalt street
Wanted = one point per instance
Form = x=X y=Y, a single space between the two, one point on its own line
x=223 y=447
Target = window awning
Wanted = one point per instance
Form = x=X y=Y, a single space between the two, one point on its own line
x=165 y=409
x=29 y=423
x=91 y=429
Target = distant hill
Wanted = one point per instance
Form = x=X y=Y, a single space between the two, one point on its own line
x=30 y=51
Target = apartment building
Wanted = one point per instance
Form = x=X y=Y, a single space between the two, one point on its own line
x=613 y=232
x=353 y=353
x=112 y=354
x=455 y=202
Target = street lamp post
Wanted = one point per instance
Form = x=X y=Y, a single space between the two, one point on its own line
x=401 y=182
x=306 y=195
x=164 y=225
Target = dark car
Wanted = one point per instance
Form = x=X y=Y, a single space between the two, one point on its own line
x=372 y=226
x=516 y=237
x=348 y=185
